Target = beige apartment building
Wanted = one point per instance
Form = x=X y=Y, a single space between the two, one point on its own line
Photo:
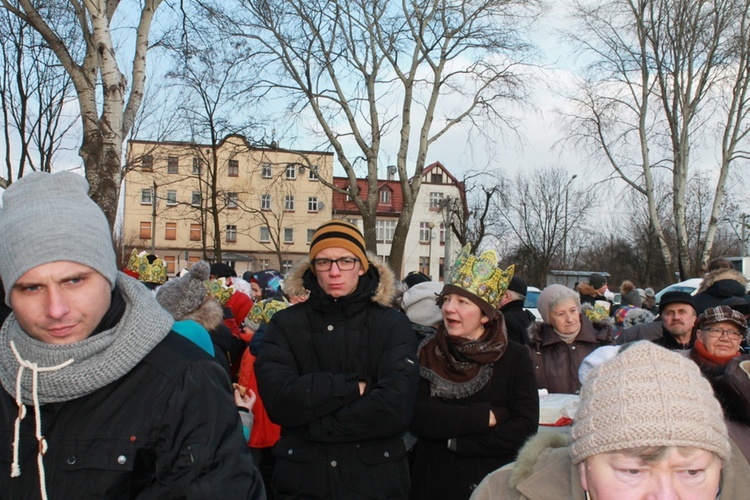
x=256 y=206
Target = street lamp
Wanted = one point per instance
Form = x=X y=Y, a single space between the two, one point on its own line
x=565 y=228
x=431 y=225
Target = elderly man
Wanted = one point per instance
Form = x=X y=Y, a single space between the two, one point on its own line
x=648 y=426
x=674 y=330
x=517 y=319
x=100 y=399
x=339 y=374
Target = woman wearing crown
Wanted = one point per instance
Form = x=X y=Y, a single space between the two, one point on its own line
x=477 y=401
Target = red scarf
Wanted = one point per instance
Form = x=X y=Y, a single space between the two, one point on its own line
x=711 y=358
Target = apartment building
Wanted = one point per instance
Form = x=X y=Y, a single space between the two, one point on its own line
x=255 y=206
x=428 y=245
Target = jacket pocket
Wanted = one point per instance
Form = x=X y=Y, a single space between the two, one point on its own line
x=381 y=451
x=294 y=449
x=112 y=454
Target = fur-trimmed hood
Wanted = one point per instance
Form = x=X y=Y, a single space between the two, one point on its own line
x=711 y=278
x=529 y=454
x=209 y=315
x=384 y=294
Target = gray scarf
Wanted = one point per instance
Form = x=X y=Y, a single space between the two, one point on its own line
x=97 y=361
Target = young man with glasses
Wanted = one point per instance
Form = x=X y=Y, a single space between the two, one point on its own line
x=339 y=374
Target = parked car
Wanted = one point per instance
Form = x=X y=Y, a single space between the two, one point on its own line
x=690 y=286
x=532 y=295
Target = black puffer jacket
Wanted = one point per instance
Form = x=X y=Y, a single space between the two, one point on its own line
x=719 y=285
x=335 y=443
x=142 y=436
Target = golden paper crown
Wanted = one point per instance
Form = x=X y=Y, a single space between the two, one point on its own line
x=219 y=290
x=263 y=311
x=480 y=275
x=149 y=272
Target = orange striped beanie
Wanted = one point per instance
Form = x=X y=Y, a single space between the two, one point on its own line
x=339 y=234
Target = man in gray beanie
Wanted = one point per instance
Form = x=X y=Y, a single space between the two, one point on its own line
x=648 y=426
x=100 y=398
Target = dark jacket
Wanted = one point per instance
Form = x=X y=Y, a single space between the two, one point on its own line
x=517 y=321
x=441 y=473
x=336 y=443
x=556 y=363
x=589 y=295
x=642 y=331
x=143 y=435
x=719 y=285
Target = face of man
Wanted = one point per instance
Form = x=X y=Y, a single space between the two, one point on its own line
x=60 y=302
x=678 y=319
x=335 y=282
x=684 y=473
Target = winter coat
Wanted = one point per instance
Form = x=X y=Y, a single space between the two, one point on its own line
x=719 y=285
x=589 y=295
x=544 y=471
x=556 y=363
x=641 y=331
x=517 y=321
x=439 y=472
x=210 y=316
x=336 y=443
x=143 y=435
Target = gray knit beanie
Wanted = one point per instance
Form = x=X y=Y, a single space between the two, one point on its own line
x=419 y=304
x=187 y=293
x=50 y=217
x=647 y=396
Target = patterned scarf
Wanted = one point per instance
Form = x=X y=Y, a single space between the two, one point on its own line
x=458 y=367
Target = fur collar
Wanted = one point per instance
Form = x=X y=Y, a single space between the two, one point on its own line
x=529 y=454
x=209 y=315
x=384 y=295
x=709 y=279
x=586 y=289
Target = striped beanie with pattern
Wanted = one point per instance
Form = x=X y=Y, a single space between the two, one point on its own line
x=339 y=234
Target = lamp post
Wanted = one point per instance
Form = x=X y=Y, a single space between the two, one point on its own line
x=431 y=225
x=565 y=228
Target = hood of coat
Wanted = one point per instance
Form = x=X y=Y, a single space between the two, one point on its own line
x=529 y=454
x=209 y=315
x=726 y=276
x=294 y=282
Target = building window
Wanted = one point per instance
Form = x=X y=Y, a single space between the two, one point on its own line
x=442 y=233
x=291 y=171
x=288 y=235
x=353 y=222
x=286 y=266
x=264 y=264
x=310 y=233
x=197 y=166
x=146 y=196
x=385 y=196
x=147 y=163
x=424 y=232
x=171 y=197
x=424 y=265
x=170 y=231
x=173 y=165
x=441 y=269
x=231 y=200
x=231 y=233
x=289 y=202
x=436 y=201
x=265 y=202
x=145 y=230
x=265 y=234
x=169 y=260
x=384 y=230
x=195 y=199
x=436 y=178
x=312 y=204
x=313 y=173
x=265 y=170
x=234 y=168
x=196 y=232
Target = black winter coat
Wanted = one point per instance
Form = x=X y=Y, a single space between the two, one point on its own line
x=440 y=473
x=335 y=443
x=141 y=436
x=517 y=321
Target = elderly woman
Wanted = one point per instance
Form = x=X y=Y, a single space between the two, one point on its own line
x=717 y=353
x=477 y=402
x=565 y=337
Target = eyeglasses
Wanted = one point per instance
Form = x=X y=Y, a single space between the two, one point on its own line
x=343 y=263
x=718 y=332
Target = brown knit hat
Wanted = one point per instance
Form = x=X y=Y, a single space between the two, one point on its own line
x=340 y=234
x=647 y=396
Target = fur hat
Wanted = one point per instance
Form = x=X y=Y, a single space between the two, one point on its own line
x=183 y=295
x=419 y=303
x=339 y=234
x=647 y=396
x=41 y=214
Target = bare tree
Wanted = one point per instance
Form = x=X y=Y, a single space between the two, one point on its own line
x=108 y=102
x=363 y=70
x=664 y=76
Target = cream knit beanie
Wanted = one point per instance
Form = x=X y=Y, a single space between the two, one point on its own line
x=647 y=396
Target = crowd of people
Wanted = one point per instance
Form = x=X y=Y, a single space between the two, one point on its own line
x=340 y=380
